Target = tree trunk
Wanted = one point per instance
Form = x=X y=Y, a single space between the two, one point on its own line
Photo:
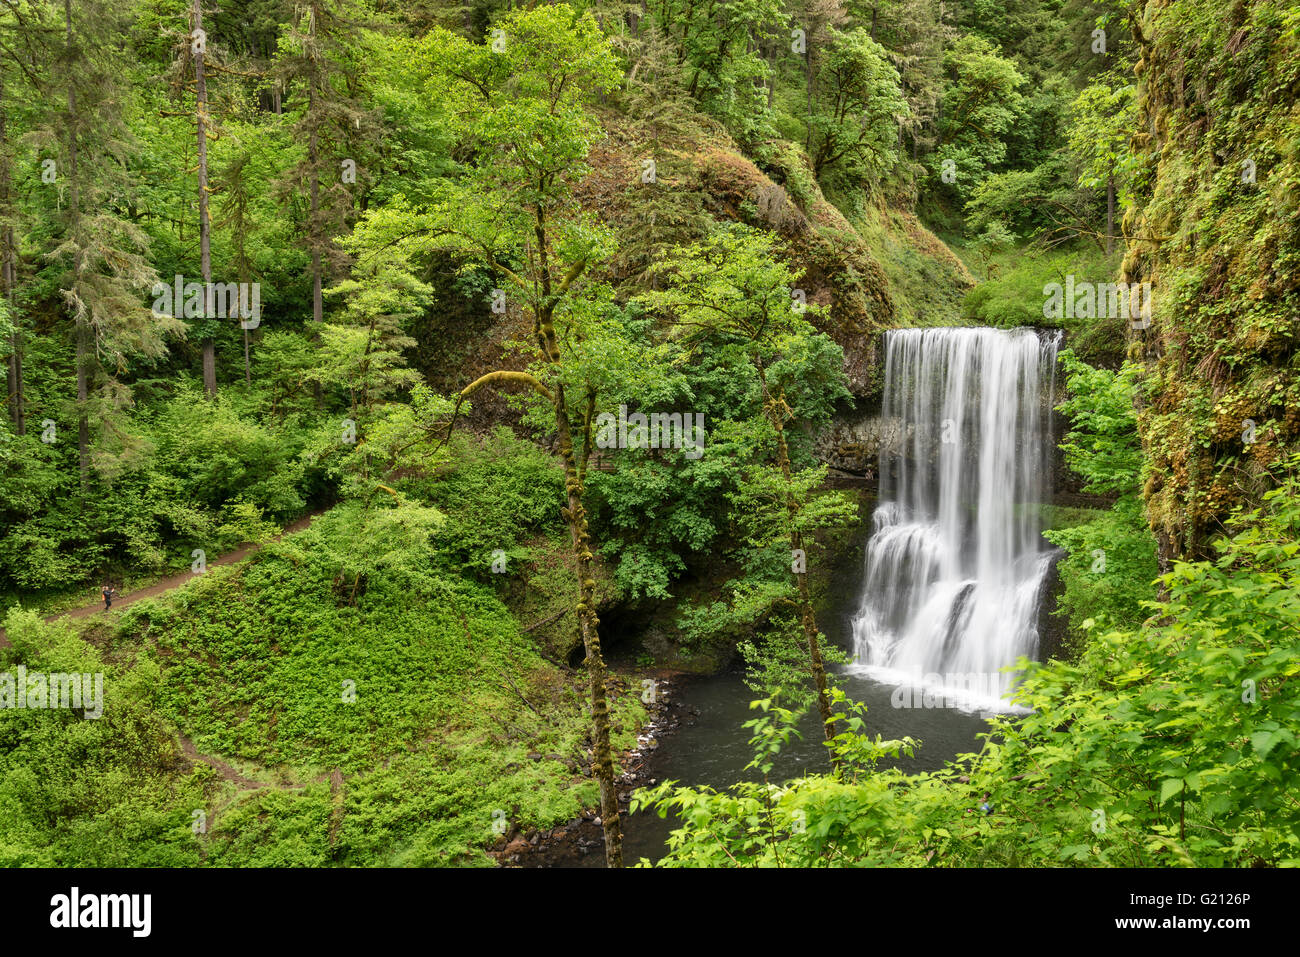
x=9 y=276
x=313 y=159
x=83 y=394
x=808 y=70
x=808 y=619
x=589 y=625
x=74 y=229
x=1110 y=214
x=205 y=222
x=576 y=515
x=15 y=370
x=313 y=223
x=807 y=616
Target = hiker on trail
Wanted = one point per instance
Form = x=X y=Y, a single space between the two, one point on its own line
x=109 y=591
x=985 y=806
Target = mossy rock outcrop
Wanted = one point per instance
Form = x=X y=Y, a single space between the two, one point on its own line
x=1219 y=107
x=698 y=182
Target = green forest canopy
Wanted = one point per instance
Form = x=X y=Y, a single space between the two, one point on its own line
x=392 y=260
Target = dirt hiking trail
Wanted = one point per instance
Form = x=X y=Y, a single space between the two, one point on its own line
x=172 y=582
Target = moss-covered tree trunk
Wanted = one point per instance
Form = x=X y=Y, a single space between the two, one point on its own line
x=9 y=269
x=775 y=408
x=575 y=515
x=205 y=220
x=575 y=468
x=522 y=216
x=588 y=624
x=1110 y=214
x=313 y=161
x=80 y=322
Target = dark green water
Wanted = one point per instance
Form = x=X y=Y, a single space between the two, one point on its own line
x=712 y=748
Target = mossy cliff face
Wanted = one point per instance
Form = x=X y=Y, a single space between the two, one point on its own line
x=864 y=279
x=1218 y=142
x=880 y=270
x=876 y=270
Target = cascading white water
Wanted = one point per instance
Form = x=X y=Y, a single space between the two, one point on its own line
x=956 y=563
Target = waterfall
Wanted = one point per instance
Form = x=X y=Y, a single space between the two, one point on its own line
x=956 y=563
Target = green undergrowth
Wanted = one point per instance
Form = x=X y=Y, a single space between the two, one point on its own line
x=1011 y=294
x=1167 y=744
x=199 y=475
x=357 y=695
x=926 y=278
